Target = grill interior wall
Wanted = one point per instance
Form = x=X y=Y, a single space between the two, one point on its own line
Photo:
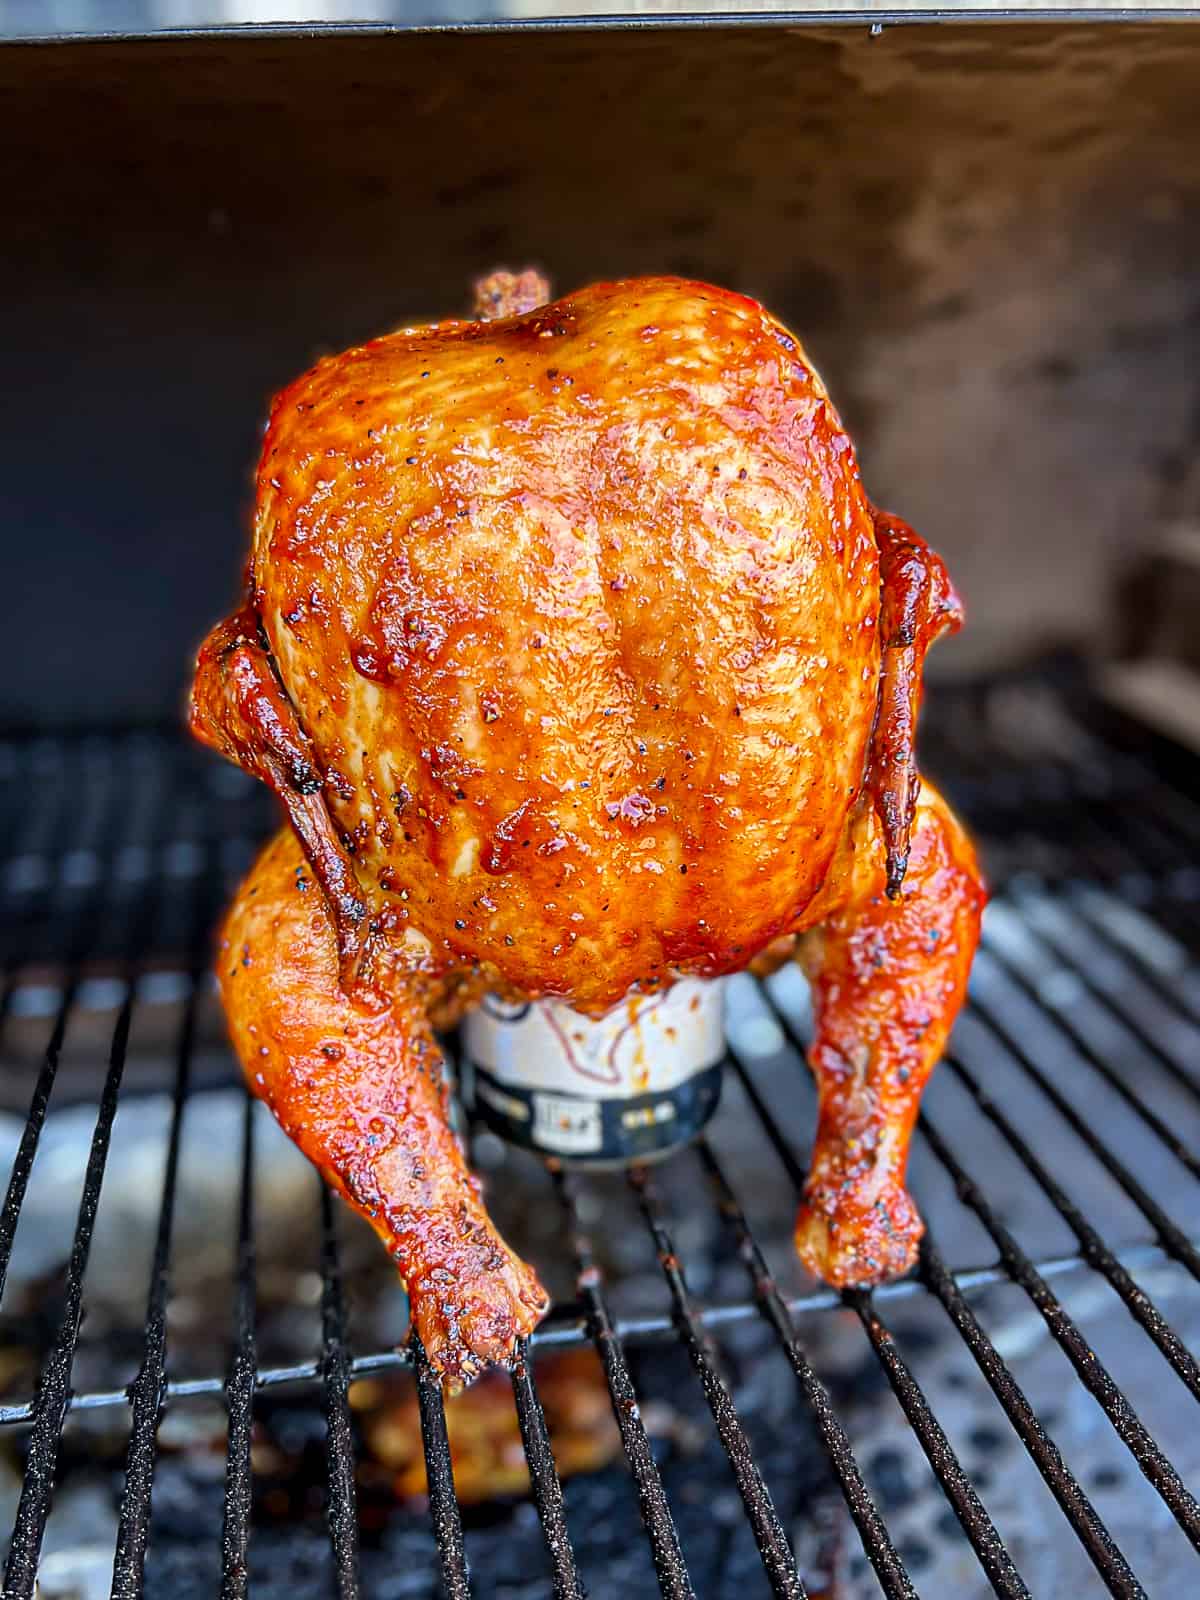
x=986 y=235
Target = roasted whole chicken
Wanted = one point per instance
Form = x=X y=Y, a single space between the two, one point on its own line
x=580 y=660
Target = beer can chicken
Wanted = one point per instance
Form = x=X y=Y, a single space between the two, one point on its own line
x=580 y=660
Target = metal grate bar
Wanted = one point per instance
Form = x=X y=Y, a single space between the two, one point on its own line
x=439 y=1472
x=1101 y=851
x=957 y=1487
x=31 y=1134
x=1178 y=909
x=1107 y=857
x=1117 y=1009
x=1162 y=982
x=1093 y=1248
x=42 y=824
x=50 y=1404
x=147 y=1393
x=566 y=1331
x=1171 y=1237
x=773 y=1545
x=669 y=1564
x=25 y=828
x=1110 y=847
x=84 y=927
x=947 y=1468
x=1078 y=1509
x=1096 y=822
x=51 y=1401
x=1167 y=803
x=876 y=1540
x=1082 y=812
x=239 y=1388
x=1124 y=840
x=1092 y=1056
x=544 y=1480
x=1151 y=841
x=341 y=1507
x=1128 y=1425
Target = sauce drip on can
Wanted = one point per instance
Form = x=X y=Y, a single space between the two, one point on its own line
x=629 y=1086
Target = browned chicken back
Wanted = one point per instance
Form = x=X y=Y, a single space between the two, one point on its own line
x=580 y=660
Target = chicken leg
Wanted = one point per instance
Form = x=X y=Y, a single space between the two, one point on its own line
x=888 y=977
x=357 y=1082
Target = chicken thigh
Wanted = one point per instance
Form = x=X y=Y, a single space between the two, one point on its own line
x=580 y=661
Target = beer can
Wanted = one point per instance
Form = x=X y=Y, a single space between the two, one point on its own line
x=629 y=1086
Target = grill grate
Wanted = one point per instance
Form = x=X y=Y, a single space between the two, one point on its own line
x=1092 y=841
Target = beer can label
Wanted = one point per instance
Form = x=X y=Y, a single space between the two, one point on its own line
x=623 y=1087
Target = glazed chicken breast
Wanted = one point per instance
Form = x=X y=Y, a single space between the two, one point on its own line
x=580 y=661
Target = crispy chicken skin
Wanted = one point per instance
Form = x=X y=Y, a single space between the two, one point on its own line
x=888 y=977
x=579 y=659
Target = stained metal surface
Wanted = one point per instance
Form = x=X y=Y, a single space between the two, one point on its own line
x=142 y=19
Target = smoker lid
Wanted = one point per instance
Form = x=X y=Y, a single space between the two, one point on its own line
x=132 y=19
